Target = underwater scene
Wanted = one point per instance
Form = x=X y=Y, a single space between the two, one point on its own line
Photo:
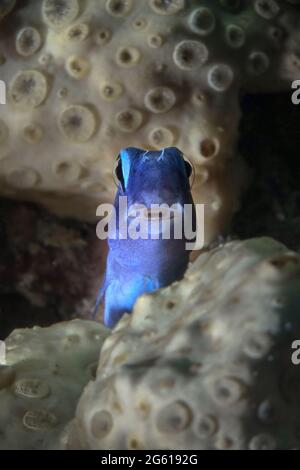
x=149 y=226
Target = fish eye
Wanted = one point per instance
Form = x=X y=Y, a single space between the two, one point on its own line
x=118 y=173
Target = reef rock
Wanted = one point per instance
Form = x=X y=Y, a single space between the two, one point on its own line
x=46 y=370
x=85 y=79
x=205 y=363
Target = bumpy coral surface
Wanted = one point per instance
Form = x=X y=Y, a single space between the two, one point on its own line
x=47 y=369
x=205 y=363
x=85 y=79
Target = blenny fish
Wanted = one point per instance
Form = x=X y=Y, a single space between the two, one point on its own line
x=138 y=266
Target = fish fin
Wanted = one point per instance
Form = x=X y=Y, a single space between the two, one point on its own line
x=99 y=299
x=121 y=297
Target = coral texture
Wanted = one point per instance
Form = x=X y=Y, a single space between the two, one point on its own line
x=205 y=363
x=88 y=78
x=47 y=369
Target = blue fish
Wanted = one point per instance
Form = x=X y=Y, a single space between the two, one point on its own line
x=138 y=266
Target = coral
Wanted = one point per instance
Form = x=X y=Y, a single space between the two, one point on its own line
x=88 y=78
x=46 y=371
x=205 y=363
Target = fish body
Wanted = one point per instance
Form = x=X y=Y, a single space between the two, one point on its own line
x=138 y=266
